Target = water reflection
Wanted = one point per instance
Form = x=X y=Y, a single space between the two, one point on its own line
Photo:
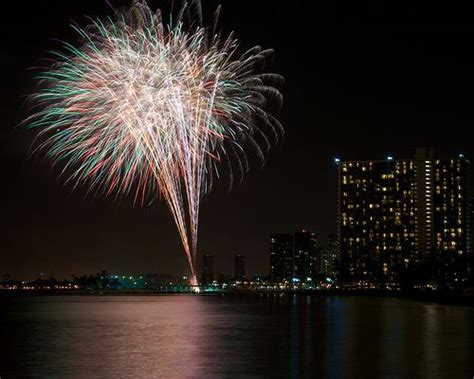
x=232 y=336
x=430 y=338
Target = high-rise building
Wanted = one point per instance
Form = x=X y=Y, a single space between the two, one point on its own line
x=304 y=259
x=207 y=272
x=450 y=233
x=281 y=257
x=239 y=267
x=329 y=257
x=293 y=256
x=399 y=213
x=471 y=257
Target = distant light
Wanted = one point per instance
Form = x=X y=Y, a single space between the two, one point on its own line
x=461 y=156
x=308 y=279
x=296 y=280
x=328 y=279
x=389 y=158
x=337 y=160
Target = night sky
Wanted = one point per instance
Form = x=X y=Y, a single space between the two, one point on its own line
x=362 y=81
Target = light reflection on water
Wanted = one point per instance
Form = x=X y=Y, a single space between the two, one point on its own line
x=233 y=336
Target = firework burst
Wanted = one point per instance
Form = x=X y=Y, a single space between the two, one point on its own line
x=151 y=109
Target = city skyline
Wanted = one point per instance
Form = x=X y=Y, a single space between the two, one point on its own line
x=374 y=99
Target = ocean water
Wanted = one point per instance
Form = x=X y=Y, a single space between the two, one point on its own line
x=253 y=336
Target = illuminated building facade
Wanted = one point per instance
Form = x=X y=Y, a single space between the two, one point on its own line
x=329 y=257
x=395 y=214
x=450 y=236
x=293 y=256
x=304 y=260
x=281 y=257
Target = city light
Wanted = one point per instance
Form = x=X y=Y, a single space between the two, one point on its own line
x=196 y=290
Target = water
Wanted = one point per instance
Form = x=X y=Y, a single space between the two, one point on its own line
x=233 y=336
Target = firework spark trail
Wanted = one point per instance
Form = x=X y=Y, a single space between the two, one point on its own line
x=147 y=108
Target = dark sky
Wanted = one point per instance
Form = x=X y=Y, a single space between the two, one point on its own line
x=362 y=80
